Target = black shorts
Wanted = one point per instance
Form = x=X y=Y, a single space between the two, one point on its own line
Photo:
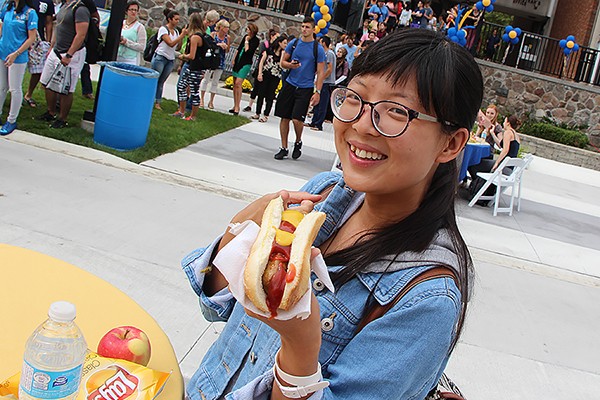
x=293 y=102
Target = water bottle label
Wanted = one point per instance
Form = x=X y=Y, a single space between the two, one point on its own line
x=49 y=384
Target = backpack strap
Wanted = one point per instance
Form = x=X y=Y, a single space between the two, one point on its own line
x=379 y=310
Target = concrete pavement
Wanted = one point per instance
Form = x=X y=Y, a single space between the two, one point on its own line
x=533 y=319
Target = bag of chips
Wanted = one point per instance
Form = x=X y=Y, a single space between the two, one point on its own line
x=107 y=379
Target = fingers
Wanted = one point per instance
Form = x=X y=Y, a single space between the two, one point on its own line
x=314 y=253
x=290 y=197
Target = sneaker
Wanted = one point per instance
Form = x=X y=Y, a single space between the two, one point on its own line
x=297 y=153
x=281 y=154
x=247 y=109
x=59 y=124
x=178 y=114
x=8 y=128
x=46 y=117
x=190 y=118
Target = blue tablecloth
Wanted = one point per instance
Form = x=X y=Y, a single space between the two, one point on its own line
x=473 y=154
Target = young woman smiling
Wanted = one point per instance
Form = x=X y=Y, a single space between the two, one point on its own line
x=399 y=126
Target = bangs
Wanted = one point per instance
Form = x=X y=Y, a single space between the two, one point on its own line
x=449 y=82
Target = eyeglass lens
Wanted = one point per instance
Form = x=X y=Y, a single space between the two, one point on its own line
x=388 y=117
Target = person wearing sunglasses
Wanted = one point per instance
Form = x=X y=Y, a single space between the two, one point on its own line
x=133 y=36
x=405 y=116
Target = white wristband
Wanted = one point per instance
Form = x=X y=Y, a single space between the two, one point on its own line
x=305 y=385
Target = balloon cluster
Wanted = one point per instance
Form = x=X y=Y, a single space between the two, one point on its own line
x=487 y=5
x=458 y=36
x=511 y=34
x=321 y=15
x=568 y=45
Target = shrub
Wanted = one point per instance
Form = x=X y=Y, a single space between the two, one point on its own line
x=555 y=134
x=246 y=85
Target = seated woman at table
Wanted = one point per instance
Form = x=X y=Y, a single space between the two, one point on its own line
x=390 y=217
x=488 y=127
x=510 y=148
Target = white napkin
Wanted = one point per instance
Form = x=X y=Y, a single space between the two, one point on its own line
x=232 y=259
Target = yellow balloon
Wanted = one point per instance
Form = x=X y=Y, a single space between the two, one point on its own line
x=312 y=15
x=570 y=44
x=324 y=9
x=512 y=34
x=317 y=29
x=320 y=3
x=486 y=3
x=327 y=17
x=322 y=23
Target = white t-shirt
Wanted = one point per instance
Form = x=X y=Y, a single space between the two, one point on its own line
x=163 y=48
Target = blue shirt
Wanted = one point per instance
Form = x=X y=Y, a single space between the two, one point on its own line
x=383 y=12
x=350 y=55
x=304 y=76
x=414 y=336
x=15 y=31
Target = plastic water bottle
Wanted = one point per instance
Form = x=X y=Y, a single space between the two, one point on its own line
x=54 y=356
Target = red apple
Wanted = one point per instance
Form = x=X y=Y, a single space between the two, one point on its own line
x=126 y=343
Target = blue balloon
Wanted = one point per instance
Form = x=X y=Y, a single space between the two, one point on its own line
x=316 y=8
x=454 y=39
x=461 y=34
x=518 y=30
x=462 y=42
x=508 y=28
x=505 y=37
x=576 y=47
x=562 y=43
x=328 y=24
x=479 y=5
x=489 y=8
x=318 y=16
x=452 y=31
x=319 y=34
x=329 y=3
x=324 y=31
x=571 y=37
x=515 y=40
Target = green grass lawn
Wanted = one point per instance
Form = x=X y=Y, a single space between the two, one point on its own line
x=166 y=133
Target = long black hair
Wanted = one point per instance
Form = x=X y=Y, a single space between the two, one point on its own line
x=20 y=5
x=449 y=83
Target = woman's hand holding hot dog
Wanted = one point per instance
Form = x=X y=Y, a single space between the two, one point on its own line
x=215 y=281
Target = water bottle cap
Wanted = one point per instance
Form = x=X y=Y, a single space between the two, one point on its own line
x=62 y=311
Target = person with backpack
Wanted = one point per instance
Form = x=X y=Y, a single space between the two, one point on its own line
x=320 y=110
x=163 y=60
x=68 y=48
x=213 y=77
x=17 y=34
x=269 y=74
x=305 y=59
x=192 y=76
x=401 y=273
x=133 y=36
x=256 y=84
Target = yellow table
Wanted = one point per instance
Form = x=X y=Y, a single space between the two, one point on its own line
x=31 y=281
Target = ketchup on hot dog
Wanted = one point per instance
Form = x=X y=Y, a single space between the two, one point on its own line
x=280 y=254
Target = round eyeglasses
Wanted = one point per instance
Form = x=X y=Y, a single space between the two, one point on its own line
x=391 y=119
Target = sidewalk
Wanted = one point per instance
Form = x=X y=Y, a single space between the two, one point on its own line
x=533 y=317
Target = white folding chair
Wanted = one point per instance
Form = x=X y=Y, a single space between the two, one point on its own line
x=503 y=182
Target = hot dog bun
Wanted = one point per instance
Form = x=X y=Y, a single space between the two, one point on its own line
x=304 y=236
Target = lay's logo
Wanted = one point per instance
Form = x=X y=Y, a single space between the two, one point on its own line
x=113 y=383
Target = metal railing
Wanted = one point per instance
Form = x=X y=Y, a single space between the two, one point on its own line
x=538 y=53
x=290 y=7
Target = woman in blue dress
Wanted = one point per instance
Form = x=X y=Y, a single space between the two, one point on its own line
x=17 y=34
x=404 y=117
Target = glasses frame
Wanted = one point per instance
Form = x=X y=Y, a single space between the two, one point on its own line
x=412 y=114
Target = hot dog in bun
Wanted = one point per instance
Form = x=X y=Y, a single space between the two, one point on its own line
x=277 y=272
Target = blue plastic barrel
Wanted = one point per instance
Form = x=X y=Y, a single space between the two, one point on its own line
x=125 y=103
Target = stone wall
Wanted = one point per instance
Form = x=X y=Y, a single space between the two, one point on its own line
x=560 y=152
x=523 y=92
x=151 y=12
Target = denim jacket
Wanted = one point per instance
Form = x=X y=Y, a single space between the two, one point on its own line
x=398 y=356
